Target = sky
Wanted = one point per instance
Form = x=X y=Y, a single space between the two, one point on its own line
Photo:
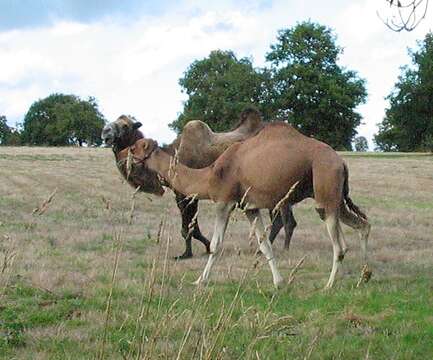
x=130 y=54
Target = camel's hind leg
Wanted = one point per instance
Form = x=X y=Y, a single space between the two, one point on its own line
x=285 y=218
x=222 y=217
x=276 y=225
x=343 y=243
x=289 y=223
x=255 y=220
x=359 y=224
x=333 y=226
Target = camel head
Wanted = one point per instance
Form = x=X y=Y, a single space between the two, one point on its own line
x=142 y=150
x=132 y=163
x=121 y=133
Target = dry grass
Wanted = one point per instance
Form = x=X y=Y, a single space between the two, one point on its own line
x=66 y=255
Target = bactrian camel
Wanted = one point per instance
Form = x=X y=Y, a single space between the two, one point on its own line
x=259 y=172
x=197 y=147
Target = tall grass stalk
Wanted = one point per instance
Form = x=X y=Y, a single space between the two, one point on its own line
x=9 y=255
x=118 y=245
x=144 y=312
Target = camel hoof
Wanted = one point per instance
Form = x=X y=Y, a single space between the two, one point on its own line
x=278 y=283
x=184 y=256
x=329 y=286
x=199 y=282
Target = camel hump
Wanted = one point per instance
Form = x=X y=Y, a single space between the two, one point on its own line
x=197 y=128
x=249 y=118
x=194 y=142
x=196 y=133
x=250 y=112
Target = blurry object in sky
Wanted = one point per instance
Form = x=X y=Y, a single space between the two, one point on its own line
x=404 y=14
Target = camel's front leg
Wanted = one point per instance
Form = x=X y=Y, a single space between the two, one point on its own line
x=222 y=217
x=188 y=210
x=255 y=220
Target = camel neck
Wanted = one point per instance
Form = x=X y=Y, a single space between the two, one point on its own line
x=187 y=181
x=171 y=148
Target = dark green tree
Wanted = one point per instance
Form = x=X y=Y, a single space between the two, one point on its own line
x=9 y=136
x=219 y=87
x=14 y=139
x=60 y=120
x=5 y=130
x=310 y=89
x=361 y=143
x=408 y=122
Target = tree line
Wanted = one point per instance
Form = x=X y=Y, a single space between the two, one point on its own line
x=302 y=83
x=57 y=120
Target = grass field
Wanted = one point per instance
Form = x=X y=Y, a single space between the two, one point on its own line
x=92 y=275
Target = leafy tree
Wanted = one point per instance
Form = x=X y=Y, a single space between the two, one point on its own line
x=219 y=87
x=4 y=130
x=361 y=143
x=14 y=139
x=63 y=120
x=8 y=135
x=408 y=122
x=310 y=89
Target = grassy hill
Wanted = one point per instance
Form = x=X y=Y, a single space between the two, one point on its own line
x=91 y=273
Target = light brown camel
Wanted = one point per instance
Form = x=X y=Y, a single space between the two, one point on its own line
x=197 y=147
x=259 y=172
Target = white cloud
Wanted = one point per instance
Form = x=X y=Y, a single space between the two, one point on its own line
x=133 y=66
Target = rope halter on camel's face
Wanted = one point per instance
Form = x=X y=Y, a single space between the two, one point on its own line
x=137 y=159
x=132 y=161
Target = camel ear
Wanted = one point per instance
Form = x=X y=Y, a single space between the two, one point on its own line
x=137 y=125
x=148 y=146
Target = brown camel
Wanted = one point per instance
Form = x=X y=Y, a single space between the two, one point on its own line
x=197 y=147
x=259 y=172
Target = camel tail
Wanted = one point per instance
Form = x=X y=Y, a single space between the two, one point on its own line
x=352 y=207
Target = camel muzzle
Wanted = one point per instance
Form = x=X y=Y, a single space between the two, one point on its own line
x=107 y=135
